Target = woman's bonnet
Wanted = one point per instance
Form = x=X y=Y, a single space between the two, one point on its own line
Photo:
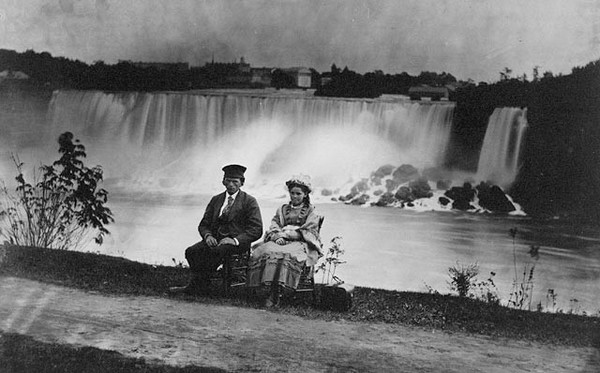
x=301 y=180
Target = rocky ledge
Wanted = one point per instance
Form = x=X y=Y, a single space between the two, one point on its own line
x=407 y=187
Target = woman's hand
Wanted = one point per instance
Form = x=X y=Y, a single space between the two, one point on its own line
x=293 y=235
x=280 y=241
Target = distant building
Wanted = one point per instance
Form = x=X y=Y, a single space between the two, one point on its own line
x=302 y=76
x=261 y=75
x=434 y=93
x=452 y=87
x=238 y=80
x=326 y=78
x=241 y=74
x=243 y=67
x=13 y=75
x=237 y=74
x=162 y=66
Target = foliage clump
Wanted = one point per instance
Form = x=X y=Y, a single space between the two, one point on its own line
x=461 y=277
x=332 y=259
x=62 y=208
x=463 y=280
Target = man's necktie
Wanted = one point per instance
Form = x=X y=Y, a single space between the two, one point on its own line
x=228 y=207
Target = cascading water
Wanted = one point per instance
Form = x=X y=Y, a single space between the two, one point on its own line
x=180 y=141
x=499 y=158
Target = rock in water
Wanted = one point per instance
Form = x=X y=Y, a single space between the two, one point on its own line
x=462 y=196
x=386 y=199
x=405 y=173
x=420 y=188
x=493 y=198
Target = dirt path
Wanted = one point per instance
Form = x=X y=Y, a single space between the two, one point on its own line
x=242 y=339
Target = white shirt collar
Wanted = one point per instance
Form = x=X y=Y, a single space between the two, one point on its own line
x=234 y=195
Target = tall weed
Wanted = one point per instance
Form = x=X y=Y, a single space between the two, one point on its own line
x=523 y=282
x=331 y=261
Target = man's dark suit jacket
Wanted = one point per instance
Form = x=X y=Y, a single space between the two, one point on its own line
x=243 y=222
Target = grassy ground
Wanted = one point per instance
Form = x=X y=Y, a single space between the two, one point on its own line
x=118 y=276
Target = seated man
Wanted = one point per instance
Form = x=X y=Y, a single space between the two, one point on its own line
x=231 y=222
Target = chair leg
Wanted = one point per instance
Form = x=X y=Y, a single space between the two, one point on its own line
x=226 y=275
x=231 y=268
x=277 y=294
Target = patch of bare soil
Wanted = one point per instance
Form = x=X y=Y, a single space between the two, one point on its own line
x=245 y=339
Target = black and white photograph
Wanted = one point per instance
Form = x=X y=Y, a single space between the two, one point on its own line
x=299 y=186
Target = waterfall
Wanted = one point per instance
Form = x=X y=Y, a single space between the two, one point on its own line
x=179 y=141
x=499 y=158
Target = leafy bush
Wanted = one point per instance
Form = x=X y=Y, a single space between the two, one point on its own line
x=462 y=278
x=62 y=208
x=486 y=290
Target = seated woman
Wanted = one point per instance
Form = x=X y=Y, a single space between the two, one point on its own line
x=291 y=242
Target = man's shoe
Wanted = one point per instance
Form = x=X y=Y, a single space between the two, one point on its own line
x=273 y=300
x=268 y=302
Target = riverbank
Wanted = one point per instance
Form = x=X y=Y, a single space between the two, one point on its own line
x=118 y=276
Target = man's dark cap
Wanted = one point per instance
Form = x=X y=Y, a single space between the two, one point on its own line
x=234 y=171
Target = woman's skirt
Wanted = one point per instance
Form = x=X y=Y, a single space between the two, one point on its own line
x=272 y=263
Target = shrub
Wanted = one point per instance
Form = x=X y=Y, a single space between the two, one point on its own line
x=462 y=278
x=62 y=208
x=486 y=290
x=551 y=296
x=332 y=259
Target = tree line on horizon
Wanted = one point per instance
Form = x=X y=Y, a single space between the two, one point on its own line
x=61 y=72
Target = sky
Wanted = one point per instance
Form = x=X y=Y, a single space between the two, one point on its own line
x=470 y=39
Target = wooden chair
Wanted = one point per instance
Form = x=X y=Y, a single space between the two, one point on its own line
x=307 y=277
x=233 y=272
x=235 y=267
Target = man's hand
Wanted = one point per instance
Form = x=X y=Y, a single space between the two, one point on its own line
x=280 y=241
x=211 y=241
x=227 y=241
